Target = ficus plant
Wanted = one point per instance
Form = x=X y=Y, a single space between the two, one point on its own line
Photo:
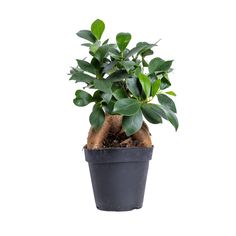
x=122 y=81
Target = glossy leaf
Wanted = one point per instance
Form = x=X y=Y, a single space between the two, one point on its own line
x=97 y=28
x=119 y=93
x=154 y=64
x=123 y=40
x=82 y=98
x=132 y=124
x=132 y=85
x=101 y=52
x=106 y=97
x=146 y=84
x=165 y=83
x=126 y=106
x=172 y=93
x=171 y=117
x=82 y=77
x=118 y=76
x=103 y=85
x=155 y=87
x=84 y=65
x=166 y=102
x=152 y=113
x=128 y=65
x=97 y=117
x=87 y=34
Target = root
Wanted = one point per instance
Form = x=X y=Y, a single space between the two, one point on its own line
x=112 y=135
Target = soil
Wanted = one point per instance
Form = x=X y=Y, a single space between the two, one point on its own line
x=119 y=140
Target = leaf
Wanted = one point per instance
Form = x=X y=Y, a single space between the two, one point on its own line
x=128 y=65
x=82 y=98
x=105 y=42
x=84 y=65
x=146 y=84
x=82 y=77
x=133 y=51
x=97 y=28
x=106 y=97
x=147 y=52
x=103 y=85
x=132 y=85
x=152 y=113
x=132 y=124
x=155 y=87
x=108 y=67
x=126 y=106
x=87 y=34
x=101 y=52
x=97 y=117
x=86 y=44
x=109 y=107
x=158 y=64
x=165 y=83
x=114 y=53
x=94 y=47
x=171 y=117
x=118 y=75
x=166 y=102
x=165 y=66
x=97 y=96
x=172 y=93
x=119 y=93
x=154 y=64
x=122 y=40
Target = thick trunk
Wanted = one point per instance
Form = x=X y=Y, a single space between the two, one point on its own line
x=112 y=129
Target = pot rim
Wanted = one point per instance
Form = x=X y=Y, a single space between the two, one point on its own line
x=118 y=155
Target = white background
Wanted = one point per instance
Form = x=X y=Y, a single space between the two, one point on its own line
x=45 y=185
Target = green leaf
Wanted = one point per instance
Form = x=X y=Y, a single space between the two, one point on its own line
x=154 y=64
x=152 y=113
x=155 y=87
x=84 y=65
x=146 y=84
x=106 y=97
x=97 y=96
x=171 y=117
x=132 y=85
x=119 y=93
x=165 y=66
x=118 y=76
x=87 y=34
x=132 y=124
x=172 y=93
x=97 y=28
x=103 y=85
x=126 y=106
x=128 y=65
x=109 y=107
x=82 y=98
x=97 y=117
x=165 y=83
x=123 y=40
x=101 y=52
x=82 y=77
x=167 y=102
x=158 y=64
x=109 y=67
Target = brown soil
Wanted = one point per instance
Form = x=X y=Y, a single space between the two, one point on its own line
x=112 y=135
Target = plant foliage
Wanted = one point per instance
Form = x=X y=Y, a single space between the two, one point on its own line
x=123 y=81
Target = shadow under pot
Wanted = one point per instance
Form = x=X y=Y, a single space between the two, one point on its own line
x=118 y=176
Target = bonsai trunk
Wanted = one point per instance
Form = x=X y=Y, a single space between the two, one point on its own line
x=111 y=134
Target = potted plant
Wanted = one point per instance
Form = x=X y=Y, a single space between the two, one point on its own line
x=125 y=88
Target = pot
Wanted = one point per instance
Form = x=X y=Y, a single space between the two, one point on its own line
x=118 y=176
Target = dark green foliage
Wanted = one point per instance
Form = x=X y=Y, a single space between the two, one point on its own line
x=124 y=81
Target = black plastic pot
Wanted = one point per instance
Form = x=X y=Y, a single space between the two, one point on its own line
x=118 y=176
